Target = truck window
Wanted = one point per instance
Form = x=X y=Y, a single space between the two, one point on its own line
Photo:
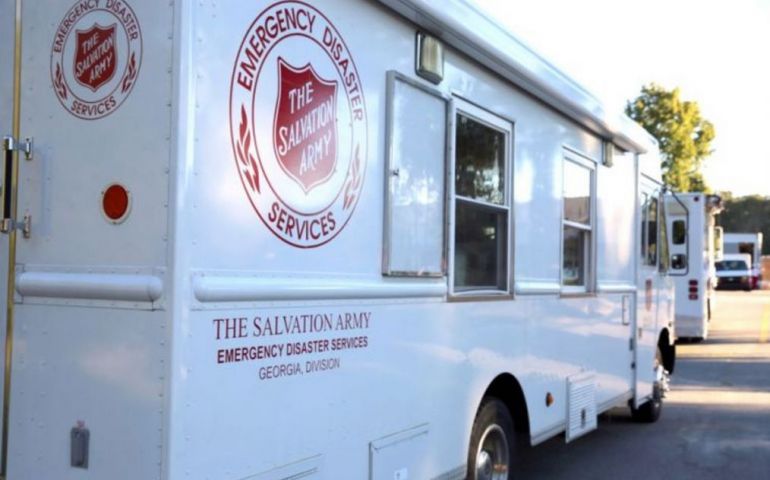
x=664 y=264
x=577 y=224
x=650 y=231
x=678 y=232
x=481 y=202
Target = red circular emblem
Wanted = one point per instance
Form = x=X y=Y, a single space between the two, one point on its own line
x=95 y=57
x=298 y=124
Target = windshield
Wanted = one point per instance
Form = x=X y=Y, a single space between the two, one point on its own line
x=731 y=265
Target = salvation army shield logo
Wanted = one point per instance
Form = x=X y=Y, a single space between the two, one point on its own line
x=95 y=56
x=305 y=128
x=298 y=124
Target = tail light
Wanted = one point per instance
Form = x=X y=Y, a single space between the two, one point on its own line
x=693 y=289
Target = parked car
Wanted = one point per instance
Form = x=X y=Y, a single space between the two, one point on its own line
x=734 y=272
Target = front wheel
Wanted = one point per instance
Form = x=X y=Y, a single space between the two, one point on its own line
x=649 y=411
x=491 y=449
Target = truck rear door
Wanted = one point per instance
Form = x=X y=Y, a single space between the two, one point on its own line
x=649 y=284
x=84 y=391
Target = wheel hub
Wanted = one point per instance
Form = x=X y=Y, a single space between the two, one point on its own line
x=492 y=458
x=661 y=379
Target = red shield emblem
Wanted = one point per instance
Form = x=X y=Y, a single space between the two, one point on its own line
x=96 y=56
x=305 y=125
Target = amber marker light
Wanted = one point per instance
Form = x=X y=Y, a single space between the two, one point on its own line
x=116 y=203
x=548 y=399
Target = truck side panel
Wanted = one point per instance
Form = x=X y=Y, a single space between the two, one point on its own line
x=305 y=345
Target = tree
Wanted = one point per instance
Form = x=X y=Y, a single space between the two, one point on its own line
x=684 y=136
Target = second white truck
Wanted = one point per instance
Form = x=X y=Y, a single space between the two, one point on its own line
x=750 y=243
x=693 y=253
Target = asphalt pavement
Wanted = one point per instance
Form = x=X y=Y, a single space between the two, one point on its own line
x=716 y=418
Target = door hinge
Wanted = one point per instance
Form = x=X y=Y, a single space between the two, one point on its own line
x=25 y=227
x=10 y=144
x=631 y=344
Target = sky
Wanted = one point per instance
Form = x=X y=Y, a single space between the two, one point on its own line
x=716 y=51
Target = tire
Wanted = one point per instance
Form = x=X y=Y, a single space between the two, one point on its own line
x=491 y=451
x=649 y=411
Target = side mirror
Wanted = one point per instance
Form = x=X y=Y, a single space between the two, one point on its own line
x=719 y=243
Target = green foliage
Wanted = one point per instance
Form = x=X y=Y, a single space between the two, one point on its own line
x=684 y=136
x=747 y=215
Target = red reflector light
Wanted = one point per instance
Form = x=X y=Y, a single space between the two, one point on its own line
x=115 y=202
x=693 y=282
x=693 y=296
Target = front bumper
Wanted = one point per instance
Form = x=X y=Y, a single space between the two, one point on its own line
x=733 y=283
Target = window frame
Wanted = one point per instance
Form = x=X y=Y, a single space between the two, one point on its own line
x=460 y=106
x=645 y=202
x=589 y=253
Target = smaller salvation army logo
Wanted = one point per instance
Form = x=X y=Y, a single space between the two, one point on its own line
x=298 y=124
x=95 y=57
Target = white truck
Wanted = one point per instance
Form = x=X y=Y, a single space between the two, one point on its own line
x=750 y=243
x=694 y=249
x=318 y=240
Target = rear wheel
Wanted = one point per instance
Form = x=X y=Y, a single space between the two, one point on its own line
x=491 y=450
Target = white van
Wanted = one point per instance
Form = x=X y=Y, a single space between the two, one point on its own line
x=320 y=240
x=751 y=244
x=734 y=272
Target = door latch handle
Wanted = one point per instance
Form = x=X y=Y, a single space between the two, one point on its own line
x=8 y=223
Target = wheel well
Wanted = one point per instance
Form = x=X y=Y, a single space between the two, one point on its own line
x=667 y=350
x=508 y=390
